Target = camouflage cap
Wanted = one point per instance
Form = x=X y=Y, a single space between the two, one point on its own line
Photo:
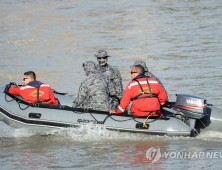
x=89 y=66
x=101 y=54
x=141 y=63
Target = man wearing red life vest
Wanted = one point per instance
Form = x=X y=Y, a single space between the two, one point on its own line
x=145 y=92
x=34 y=91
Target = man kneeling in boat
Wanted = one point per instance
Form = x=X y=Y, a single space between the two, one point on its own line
x=34 y=91
x=145 y=92
x=95 y=90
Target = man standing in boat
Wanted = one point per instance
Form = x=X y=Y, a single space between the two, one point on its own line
x=145 y=92
x=95 y=90
x=109 y=71
x=34 y=91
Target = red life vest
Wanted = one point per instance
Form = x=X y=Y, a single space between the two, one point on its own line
x=35 y=92
x=147 y=96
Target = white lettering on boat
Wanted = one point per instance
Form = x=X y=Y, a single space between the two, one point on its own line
x=194 y=102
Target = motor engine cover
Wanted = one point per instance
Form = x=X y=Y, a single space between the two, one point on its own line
x=192 y=106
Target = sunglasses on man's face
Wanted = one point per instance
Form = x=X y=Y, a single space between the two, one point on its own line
x=101 y=58
x=133 y=72
x=25 y=78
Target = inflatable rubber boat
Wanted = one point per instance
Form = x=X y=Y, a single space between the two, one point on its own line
x=188 y=116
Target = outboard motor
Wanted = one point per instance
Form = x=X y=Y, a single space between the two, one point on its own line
x=193 y=107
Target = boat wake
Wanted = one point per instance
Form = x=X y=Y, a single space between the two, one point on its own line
x=98 y=133
x=210 y=136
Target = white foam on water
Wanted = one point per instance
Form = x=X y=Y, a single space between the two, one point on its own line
x=90 y=132
x=10 y=132
x=210 y=136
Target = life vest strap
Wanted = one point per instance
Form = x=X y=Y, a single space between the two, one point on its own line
x=143 y=97
x=38 y=101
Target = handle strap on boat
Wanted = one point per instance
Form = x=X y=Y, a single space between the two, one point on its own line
x=8 y=100
x=100 y=122
x=7 y=87
x=144 y=123
x=20 y=106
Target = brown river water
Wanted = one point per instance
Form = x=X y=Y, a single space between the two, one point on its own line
x=180 y=40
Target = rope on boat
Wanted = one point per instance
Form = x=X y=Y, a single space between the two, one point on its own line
x=134 y=118
x=99 y=122
x=102 y=122
x=121 y=120
x=19 y=101
x=144 y=123
x=22 y=108
x=8 y=100
x=6 y=91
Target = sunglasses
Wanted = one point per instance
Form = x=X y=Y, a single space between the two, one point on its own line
x=133 y=72
x=101 y=58
x=25 y=78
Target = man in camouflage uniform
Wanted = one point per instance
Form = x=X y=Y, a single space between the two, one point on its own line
x=109 y=71
x=94 y=91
